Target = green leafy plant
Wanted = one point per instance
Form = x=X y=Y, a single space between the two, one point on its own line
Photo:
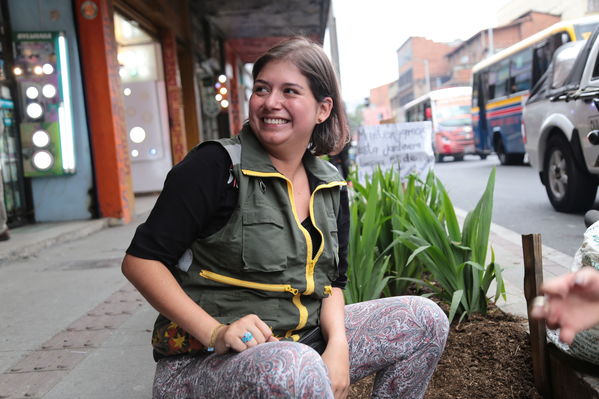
x=389 y=200
x=367 y=263
x=413 y=188
x=455 y=260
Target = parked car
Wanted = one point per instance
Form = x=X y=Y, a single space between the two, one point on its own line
x=560 y=122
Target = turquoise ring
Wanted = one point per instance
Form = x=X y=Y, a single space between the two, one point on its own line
x=247 y=337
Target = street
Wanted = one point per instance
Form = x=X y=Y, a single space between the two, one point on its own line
x=520 y=202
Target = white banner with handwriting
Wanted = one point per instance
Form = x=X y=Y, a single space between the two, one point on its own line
x=407 y=146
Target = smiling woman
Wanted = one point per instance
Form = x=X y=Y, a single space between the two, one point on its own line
x=245 y=258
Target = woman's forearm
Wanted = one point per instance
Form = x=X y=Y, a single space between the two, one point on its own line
x=156 y=283
x=332 y=316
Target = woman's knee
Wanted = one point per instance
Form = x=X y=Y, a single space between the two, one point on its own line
x=431 y=314
x=288 y=369
x=430 y=317
x=412 y=311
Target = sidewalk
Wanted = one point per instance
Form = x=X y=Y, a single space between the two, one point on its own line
x=104 y=352
x=72 y=326
x=29 y=240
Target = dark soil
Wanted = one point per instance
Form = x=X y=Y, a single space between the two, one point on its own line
x=485 y=357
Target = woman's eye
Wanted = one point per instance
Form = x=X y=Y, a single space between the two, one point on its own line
x=291 y=91
x=259 y=89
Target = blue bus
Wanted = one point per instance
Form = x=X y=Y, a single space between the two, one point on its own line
x=501 y=85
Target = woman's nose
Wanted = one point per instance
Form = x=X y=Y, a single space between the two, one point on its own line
x=273 y=100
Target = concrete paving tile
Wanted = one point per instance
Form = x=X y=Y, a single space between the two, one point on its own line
x=109 y=373
x=122 y=367
x=8 y=358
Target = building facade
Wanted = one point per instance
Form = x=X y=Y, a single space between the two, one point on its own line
x=379 y=107
x=463 y=57
x=422 y=67
x=136 y=83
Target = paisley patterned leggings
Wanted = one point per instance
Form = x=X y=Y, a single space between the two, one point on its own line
x=400 y=339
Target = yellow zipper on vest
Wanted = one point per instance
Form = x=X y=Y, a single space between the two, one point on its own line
x=219 y=278
x=303 y=311
x=312 y=262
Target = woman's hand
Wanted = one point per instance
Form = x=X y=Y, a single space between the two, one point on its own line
x=230 y=337
x=336 y=357
x=571 y=302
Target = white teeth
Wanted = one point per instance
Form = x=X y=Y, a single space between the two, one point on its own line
x=272 y=121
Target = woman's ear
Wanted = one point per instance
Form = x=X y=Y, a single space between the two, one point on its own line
x=325 y=106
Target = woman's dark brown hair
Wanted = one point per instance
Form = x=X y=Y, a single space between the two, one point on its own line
x=330 y=136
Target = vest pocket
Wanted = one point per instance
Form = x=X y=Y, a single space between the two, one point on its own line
x=228 y=306
x=263 y=242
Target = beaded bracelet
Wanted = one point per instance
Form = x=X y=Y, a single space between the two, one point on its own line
x=211 y=343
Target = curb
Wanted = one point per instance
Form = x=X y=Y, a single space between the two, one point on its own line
x=29 y=240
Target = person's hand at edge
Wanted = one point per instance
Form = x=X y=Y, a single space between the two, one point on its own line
x=571 y=302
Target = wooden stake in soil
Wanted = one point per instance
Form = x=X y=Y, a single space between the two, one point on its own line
x=533 y=278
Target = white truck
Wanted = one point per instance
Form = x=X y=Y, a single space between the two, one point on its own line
x=560 y=124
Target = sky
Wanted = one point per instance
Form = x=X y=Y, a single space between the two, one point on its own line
x=370 y=31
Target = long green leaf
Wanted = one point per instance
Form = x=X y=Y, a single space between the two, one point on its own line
x=455 y=302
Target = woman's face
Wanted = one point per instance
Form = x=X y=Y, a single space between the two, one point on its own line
x=283 y=110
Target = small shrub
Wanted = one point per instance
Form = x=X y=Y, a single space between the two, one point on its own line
x=456 y=260
x=401 y=230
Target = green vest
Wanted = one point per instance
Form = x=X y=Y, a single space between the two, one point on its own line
x=261 y=261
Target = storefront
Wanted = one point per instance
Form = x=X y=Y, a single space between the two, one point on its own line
x=139 y=55
x=208 y=53
x=10 y=146
x=136 y=85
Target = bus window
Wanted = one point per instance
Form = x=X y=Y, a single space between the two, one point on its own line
x=492 y=79
x=558 y=39
x=428 y=113
x=498 y=80
x=540 y=62
x=520 y=71
x=475 y=86
x=583 y=32
x=544 y=52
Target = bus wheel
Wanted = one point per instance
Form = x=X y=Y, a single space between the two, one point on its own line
x=482 y=156
x=569 y=188
x=504 y=157
x=439 y=157
x=459 y=157
x=500 y=150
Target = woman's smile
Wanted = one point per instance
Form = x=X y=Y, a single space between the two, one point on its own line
x=275 y=121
